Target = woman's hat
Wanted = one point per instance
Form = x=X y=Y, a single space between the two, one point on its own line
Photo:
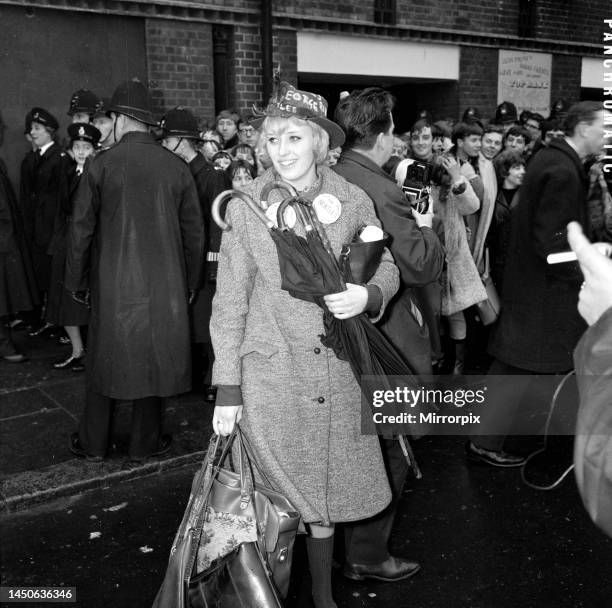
x=82 y=131
x=180 y=122
x=288 y=101
x=132 y=99
x=41 y=116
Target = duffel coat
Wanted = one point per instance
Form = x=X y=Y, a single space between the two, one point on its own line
x=302 y=408
x=539 y=325
x=137 y=210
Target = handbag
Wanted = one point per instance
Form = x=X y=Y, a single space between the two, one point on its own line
x=488 y=310
x=359 y=260
x=225 y=503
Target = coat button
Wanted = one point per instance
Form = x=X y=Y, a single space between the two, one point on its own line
x=317 y=350
x=321 y=399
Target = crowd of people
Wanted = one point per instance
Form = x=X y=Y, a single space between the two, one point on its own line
x=111 y=239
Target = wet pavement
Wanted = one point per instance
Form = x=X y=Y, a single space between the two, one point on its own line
x=39 y=409
x=484 y=539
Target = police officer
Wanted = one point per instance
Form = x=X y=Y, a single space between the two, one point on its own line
x=137 y=212
x=180 y=135
x=43 y=187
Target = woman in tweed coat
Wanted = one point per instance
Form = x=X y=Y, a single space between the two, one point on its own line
x=297 y=402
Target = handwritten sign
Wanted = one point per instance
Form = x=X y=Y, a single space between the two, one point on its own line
x=524 y=79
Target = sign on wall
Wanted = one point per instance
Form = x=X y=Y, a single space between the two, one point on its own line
x=524 y=79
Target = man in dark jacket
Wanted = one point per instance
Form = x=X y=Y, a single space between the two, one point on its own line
x=136 y=241
x=367 y=121
x=180 y=134
x=539 y=325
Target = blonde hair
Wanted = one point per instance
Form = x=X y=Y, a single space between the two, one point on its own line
x=276 y=124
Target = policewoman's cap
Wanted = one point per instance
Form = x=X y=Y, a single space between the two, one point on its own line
x=132 y=99
x=83 y=100
x=506 y=113
x=287 y=101
x=82 y=131
x=179 y=122
x=41 y=116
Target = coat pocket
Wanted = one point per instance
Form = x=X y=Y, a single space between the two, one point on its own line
x=256 y=346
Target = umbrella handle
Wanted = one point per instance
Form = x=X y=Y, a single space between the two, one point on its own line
x=226 y=195
x=273 y=185
x=298 y=204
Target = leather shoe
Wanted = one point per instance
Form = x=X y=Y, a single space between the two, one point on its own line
x=15 y=358
x=47 y=330
x=76 y=364
x=78 y=450
x=392 y=569
x=492 y=457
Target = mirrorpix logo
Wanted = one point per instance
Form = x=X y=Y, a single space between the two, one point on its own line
x=607 y=93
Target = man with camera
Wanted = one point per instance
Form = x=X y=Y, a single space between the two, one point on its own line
x=365 y=115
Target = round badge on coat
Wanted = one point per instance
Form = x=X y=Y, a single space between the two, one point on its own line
x=327 y=207
x=290 y=217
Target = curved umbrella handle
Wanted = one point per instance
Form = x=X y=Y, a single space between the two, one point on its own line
x=274 y=185
x=226 y=195
x=297 y=203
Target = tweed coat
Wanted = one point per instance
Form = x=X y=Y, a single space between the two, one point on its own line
x=136 y=240
x=462 y=286
x=539 y=325
x=301 y=403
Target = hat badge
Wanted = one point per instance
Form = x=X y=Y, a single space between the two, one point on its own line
x=81 y=131
x=503 y=110
x=36 y=115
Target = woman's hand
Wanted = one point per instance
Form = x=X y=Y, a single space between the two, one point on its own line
x=225 y=417
x=349 y=303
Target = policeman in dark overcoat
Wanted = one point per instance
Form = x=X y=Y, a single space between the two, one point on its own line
x=136 y=242
x=180 y=134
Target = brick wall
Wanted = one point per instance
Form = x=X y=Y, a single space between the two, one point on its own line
x=478 y=80
x=180 y=65
x=244 y=55
x=557 y=19
x=566 y=70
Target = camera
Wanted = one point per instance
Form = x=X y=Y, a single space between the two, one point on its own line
x=417 y=185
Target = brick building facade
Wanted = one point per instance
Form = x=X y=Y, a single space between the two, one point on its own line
x=208 y=54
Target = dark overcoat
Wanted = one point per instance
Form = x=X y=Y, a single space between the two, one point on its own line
x=539 y=325
x=301 y=403
x=418 y=254
x=137 y=212
x=61 y=309
x=210 y=181
x=18 y=289
x=43 y=187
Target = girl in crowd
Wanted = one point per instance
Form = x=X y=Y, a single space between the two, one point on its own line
x=61 y=308
x=242 y=175
x=510 y=169
x=244 y=152
x=296 y=401
x=222 y=159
